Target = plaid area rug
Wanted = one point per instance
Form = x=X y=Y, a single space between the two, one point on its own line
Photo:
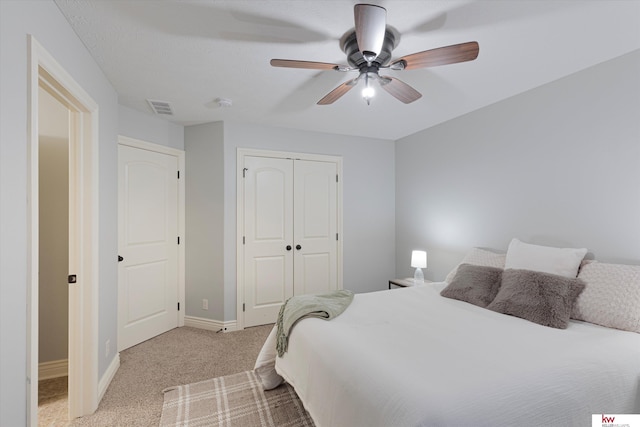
x=234 y=400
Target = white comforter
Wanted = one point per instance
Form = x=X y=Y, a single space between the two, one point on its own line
x=409 y=357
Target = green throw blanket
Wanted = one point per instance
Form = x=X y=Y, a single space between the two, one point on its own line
x=326 y=306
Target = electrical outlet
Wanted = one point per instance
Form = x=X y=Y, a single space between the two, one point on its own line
x=205 y=304
x=107 y=348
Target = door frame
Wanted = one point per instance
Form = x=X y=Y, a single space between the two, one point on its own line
x=241 y=153
x=44 y=71
x=180 y=155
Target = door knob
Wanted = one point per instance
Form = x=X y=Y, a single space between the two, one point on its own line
x=120 y=259
x=288 y=247
x=298 y=247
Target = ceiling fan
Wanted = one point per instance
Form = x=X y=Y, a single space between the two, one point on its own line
x=368 y=48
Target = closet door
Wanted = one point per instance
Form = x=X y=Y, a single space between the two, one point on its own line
x=268 y=232
x=290 y=240
x=315 y=227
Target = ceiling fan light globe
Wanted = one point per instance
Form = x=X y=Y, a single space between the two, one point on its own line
x=368 y=92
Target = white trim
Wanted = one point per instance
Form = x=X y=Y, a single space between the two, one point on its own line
x=241 y=153
x=149 y=146
x=108 y=375
x=44 y=71
x=83 y=252
x=53 y=369
x=209 y=324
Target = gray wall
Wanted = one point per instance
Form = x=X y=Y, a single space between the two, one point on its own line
x=46 y=23
x=368 y=200
x=204 y=220
x=368 y=207
x=558 y=165
x=150 y=128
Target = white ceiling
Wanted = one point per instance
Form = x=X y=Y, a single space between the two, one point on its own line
x=191 y=52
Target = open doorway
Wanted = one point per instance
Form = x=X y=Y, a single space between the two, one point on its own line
x=82 y=234
x=53 y=289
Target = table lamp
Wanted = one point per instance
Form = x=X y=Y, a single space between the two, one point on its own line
x=418 y=261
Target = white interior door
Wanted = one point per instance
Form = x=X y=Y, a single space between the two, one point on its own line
x=148 y=243
x=290 y=236
x=268 y=264
x=315 y=227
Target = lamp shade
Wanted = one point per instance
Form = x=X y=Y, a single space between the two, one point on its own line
x=419 y=259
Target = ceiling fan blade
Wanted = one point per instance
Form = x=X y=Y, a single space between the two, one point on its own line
x=399 y=89
x=335 y=94
x=371 y=25
x=441 y=56
x=310 y=65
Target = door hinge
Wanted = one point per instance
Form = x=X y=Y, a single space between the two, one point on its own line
x=178 y=306
x=178 y=174
x=336 y=236
x=178 y=239
x=243 y=240
x=244 y=172
x=336 y=177
x=243 y=307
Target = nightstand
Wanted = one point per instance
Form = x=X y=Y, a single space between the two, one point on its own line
x=404 y=283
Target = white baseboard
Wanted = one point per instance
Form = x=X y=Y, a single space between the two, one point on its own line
x=210 y=325
x=53 y=369
x=108 y=376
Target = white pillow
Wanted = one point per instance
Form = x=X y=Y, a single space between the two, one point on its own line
x=561 y=261
x=481 y=257
x=611 y=297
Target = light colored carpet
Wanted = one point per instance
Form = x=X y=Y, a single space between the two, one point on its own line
x=180 y=356
x=236 y=400
x=53 y=403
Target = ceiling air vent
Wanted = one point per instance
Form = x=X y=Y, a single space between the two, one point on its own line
x=160 y=107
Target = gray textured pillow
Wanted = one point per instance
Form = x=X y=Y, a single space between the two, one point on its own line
x=543 y=298
x=474 y=284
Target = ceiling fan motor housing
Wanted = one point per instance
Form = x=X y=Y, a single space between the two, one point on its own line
x=355 y=57
x=371 y=22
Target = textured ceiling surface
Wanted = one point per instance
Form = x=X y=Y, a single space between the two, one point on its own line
x=190 y=53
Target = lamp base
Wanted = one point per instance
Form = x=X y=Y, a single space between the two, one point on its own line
x=418 y=277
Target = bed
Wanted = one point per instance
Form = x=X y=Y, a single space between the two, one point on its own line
x=411 y=357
